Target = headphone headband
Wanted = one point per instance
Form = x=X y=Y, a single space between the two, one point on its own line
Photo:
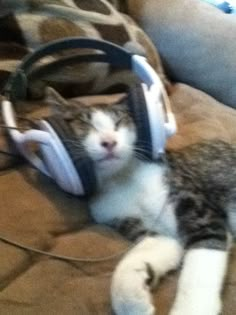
x=112 y=53
x=110 y=49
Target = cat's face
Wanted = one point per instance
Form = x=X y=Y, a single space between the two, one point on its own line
x=110 y=138
x=106 y=133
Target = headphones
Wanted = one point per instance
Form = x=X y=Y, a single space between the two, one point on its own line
x=148 y=104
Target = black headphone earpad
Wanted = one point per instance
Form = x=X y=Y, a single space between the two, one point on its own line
x=82 y=163
x=139 y=111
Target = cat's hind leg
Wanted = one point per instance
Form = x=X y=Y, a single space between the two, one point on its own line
x=200 y=283
x=139 y=270
x=205 y=262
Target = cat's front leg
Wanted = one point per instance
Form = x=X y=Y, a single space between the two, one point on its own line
x=139 y=270
x=200 y=282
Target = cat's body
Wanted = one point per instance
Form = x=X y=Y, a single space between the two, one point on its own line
x=200 y=180
x=139 y=194
x=181 y=207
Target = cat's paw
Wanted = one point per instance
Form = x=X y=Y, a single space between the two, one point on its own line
x=130 y=291
x=201 y=308
x=127 y=307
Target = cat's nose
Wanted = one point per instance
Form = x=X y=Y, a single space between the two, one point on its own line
x=109 y=144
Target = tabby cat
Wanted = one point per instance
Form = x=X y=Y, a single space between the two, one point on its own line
x=181 y=209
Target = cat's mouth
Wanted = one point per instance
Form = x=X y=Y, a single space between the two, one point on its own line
x=108 y=157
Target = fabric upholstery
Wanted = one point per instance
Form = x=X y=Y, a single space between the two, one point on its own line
x=196 y=41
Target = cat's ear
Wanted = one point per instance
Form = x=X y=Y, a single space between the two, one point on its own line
x=59 y=105
x=53 y=98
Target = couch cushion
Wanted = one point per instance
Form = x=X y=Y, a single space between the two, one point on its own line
x=197 y=43
x=27 y=24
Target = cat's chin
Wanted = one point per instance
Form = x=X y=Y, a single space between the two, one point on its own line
x=109 y=167
x=108 y=159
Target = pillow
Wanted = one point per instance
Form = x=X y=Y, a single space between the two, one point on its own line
x=27 y=24
x=197 y=43
x=226 y=6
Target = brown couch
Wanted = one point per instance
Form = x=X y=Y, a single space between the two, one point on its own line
x=34 y=211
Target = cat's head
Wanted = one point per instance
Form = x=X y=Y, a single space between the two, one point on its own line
x=107 y=133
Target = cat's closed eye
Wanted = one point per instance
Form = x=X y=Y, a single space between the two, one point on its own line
x=119 y=122
x=85 y=118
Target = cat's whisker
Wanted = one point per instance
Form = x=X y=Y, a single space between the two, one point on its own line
x=137 y=151
x=75 y=146
x=139 y=156
x=141 y=151
x=144 y=142
x=81 y=152
x=73 y=142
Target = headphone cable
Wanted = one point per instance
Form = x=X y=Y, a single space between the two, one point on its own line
x=64 y=257
x=3 y=126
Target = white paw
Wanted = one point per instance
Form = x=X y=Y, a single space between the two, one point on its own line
x=127 y=307
x=130 y=293
x=187 y=308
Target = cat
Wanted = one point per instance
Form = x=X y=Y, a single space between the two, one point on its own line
x=180 y=209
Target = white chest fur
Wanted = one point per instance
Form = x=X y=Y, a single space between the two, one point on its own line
x=141 y=193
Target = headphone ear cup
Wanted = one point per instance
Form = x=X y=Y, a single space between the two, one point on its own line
x=138 y=109
x=82 y=163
